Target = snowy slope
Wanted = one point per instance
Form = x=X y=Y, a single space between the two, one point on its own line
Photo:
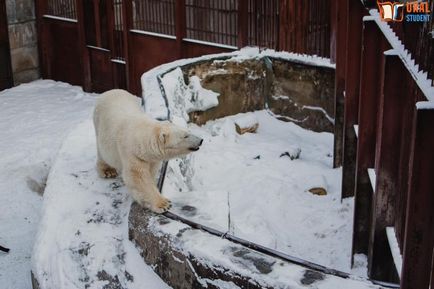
x=83 y=241
x=34 y=118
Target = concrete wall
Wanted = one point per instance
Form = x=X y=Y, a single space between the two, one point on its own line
x=23 y=40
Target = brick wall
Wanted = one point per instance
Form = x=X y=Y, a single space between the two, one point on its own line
x=23 y=40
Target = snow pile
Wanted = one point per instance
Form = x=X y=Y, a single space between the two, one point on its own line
x=246 y=120
x=34 y=119
x=256 y=186
x=83 y=241
x=183 y=98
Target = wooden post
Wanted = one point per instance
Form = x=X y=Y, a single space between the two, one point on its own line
x=418 y=245
x=181 y=29
x=243 y=23
x=87 y=83
x=352 y=89
x=387 y=155
x=367 y=123
x=341 y=48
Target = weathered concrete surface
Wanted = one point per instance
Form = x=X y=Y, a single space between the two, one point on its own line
x=294 y=92
x=304 y=94
x=23 y=40
x=241 y=86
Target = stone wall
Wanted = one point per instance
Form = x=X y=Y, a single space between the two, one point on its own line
x=23 y=40
x=293 y=91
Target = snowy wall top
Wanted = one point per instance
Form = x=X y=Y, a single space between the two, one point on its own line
x=158 y=88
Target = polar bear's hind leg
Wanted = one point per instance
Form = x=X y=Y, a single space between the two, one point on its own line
x=105 y=171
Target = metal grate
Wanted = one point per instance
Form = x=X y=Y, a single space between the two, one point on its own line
x=118 y=35
x=263 y=23
x=154 y=16
x=212 y=21
x=62 y=8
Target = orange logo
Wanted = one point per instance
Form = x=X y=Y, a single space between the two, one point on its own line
x=391 y=11
x=415 y=11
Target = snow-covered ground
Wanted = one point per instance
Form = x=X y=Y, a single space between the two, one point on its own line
x=82 y=240
x=35 y=118
x=256 y=186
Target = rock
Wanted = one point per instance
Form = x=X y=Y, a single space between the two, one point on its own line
x=246 y=123
x=311 y=277
x=243 y=130
x=292 y=153
x=318 y=191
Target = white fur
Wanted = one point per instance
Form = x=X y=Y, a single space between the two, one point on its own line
x=132 y=144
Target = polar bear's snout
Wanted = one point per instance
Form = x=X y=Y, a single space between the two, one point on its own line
x=195 y=141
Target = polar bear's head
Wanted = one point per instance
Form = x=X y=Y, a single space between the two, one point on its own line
x=176 y=141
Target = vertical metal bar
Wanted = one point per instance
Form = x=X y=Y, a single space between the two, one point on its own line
x=242 y=23
x=87 y=82
x=180 y=25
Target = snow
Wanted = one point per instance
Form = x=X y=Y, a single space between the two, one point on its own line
x=83 y=232
x=250 y=186
x=246 y=120
x=184 y=98
x=356 y=130
x=317 y=108
x=394 y=248
x=373 y=178
x=398 y=48
x=422 y=105
x=34 y=119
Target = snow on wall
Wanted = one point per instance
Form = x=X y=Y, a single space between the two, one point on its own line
x=421 y=77
x=155 y=101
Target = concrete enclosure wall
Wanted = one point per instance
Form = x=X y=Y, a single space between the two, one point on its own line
x=293 y=91
x=23 y=40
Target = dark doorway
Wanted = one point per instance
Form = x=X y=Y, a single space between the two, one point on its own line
x=5 y=55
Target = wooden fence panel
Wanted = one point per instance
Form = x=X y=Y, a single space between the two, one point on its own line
x=419 y=240
x=370 y=84
x=352 y=90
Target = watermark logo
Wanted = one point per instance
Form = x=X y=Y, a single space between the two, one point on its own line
x=415 y=11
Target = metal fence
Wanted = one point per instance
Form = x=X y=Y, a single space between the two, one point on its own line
x=212 y=21
x=62 y=8
x=157 y=16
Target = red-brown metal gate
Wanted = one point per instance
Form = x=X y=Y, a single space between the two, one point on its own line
x=5 y=56
x=104 y=44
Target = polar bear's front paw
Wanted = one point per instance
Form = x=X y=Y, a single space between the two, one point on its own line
x=161 y=205
x=109 y=173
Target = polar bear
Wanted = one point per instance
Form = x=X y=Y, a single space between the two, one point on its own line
x=134 y=145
